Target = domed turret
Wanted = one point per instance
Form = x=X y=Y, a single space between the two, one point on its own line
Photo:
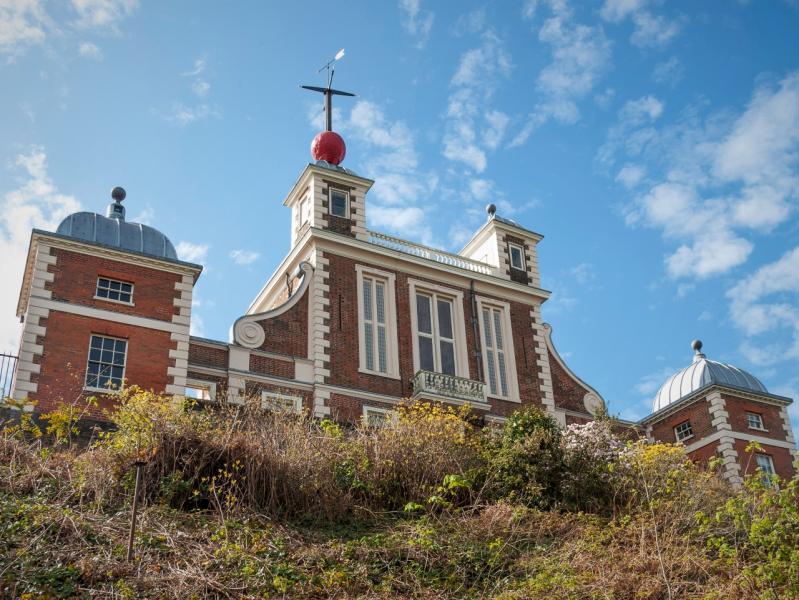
x=113 y=230
x=702 y=373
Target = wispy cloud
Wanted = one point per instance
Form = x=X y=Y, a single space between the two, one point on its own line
x=244 y=257
x=186 y=113
x=417 y=21
x=767 y=302
x=90 y=50
x=191 y=252
x=36 y=202
x=719 y=177
x=650 y=29
x=580 y=56
x=668 y=72
x=103 y=13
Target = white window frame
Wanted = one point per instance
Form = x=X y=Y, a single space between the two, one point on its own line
x=273 y=401
x=458 y=323
x=510 y=355
x=769 y=463
x=392 y=346
x=111 y=279
x=679 y=436
x=304 y=210
x=330 y=191
x=390 y=415
x=513 y=246
x=105 y=390
x=759 y=426
x=198 y=384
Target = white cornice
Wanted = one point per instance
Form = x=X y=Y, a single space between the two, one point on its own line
x=738 y=435
x=486 y=228
x=311 y=169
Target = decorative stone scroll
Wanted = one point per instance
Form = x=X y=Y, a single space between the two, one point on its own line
x=247 y=330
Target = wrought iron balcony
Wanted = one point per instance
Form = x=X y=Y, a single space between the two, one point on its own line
x=448 y=387
x=447 y=258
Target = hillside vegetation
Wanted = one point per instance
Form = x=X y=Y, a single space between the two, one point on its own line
x=240 y=503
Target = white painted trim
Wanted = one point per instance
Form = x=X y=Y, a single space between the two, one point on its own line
x=391 y=415
x=270 y=400
x=542 y=362
x=247 y=332
x=458 y=324
x=738 y=435
x=112 y=300
x=520 y=248
x=202 y=384
x=509 y=350
x=106 y=315
x=359 y=394
x=330 y=190
x=392 y=345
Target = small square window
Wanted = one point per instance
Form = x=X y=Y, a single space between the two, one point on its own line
x=339 y=202
x=204 y=391
x=111 y=289
x=755 y=421
x=683 y=431
x=516 y=256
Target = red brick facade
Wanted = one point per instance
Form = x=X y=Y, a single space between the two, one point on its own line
x=697 y=413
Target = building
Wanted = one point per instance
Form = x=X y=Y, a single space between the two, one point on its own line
x=350 y=323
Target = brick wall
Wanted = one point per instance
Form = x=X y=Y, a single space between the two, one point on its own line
x=288 y=333
x=704 y=454
x=347 y=409
x=568 y=393
x=66 y=347
x=75 y=281
x=221 y=382
x=253 y=389
x=697 y=412
x=208 y=356
x=272 y=366
x=772 y=421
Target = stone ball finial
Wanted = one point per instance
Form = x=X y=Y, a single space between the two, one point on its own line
x=118 y=194
x=491 y=210
x=697 y=346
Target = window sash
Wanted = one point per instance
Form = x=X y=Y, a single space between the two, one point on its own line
x=113 y=289
x=436 y=344
x=754 y=420
x=516 y=253
x=683 y=431
x=375 y=324
x=105 y=364
x=765 y=463
x=339 y=202
x=496 y=360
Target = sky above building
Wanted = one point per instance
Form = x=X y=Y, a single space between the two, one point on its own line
x=653 y=144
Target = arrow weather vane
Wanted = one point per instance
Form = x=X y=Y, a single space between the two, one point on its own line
x=328 y=91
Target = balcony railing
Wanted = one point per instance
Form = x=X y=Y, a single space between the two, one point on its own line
x=8 y=363
x=447 y=258
x=448 y=386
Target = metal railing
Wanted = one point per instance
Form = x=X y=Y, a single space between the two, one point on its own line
x=448 y=386
x=8 y=364
x=447 y=258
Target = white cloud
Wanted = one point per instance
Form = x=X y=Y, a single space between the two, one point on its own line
x=103 y=13
x=409 y=221
x=767 y=301
x=200 y=87
x=90 y=50
x=649 y=29
x=197 y=326
x=719 y=177
x=417 y=21
x=190 y=252
x=580 y=56
x=22 y=23
x=583 y=273
x=182 y=114
x=198 y=68
x=631 y=175
x=668 y=72
x=244 y=257
x=472 y=126
x=35 y=203
x=650 y=383
x=146 y=215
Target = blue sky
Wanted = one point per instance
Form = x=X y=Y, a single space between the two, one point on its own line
x=654 y=144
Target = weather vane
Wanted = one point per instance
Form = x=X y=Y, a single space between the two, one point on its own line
x=328 y=91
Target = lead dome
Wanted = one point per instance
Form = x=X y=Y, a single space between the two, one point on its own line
x=113 y=230
x=700 y=374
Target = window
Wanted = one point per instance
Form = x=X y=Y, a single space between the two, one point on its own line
x=204 y=391
x=765 y=464
x=303 y=211
x=339 y=203
x=106 y=366
x=377 y=417
x=439 y=330
x=111 y=289
x=435 y=335
x=755 y=421
x=496 y=372
x=516 y=256
x=281 y=403
x=683 y=431
x=377 y=322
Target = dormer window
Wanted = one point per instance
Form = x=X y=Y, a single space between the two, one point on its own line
x=683 y=431
x=339 y=203
x=516 y=253
x=116 y=291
